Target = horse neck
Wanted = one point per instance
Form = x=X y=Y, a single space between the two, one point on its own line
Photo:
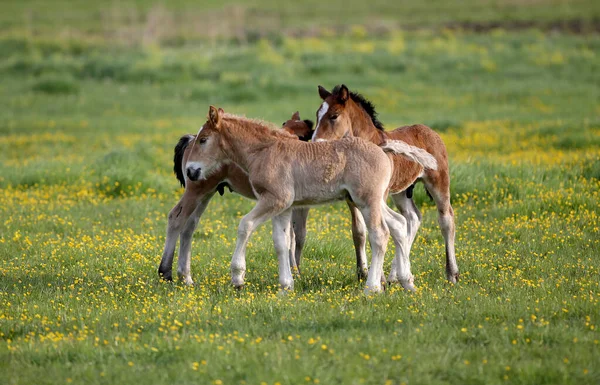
x=363 y=127
x=239 y=143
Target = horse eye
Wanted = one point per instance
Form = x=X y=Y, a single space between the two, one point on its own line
x=334 y=117
x=283 y=124
x=202 y=140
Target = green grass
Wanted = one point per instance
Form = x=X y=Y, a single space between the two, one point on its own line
x=178 y=21
x=87 y=131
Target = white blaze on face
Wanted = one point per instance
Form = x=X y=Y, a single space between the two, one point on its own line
x=322 y=111
x=200 y=130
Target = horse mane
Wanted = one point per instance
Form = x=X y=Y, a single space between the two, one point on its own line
x=265 y=127
x=183 y=143
x=365 y=104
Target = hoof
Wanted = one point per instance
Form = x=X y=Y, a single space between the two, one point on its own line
x=453 y=277
x=187 y=281
x=237 y=279
x=286 y=285
x=371 y=290
x=165 y=275
x=408 y=284
x=362 y=274
x=285 y=291
x=408 y=287
x=239 y=287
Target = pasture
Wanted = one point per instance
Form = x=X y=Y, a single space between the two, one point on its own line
x=87 y=129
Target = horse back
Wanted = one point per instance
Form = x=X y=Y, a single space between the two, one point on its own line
x=423 y=137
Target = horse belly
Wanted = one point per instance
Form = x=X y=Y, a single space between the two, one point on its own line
x=319 y=198
x=314 y=193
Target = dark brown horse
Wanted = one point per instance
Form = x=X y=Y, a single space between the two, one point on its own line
x=344 y=113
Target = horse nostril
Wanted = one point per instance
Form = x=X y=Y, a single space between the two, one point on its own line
x=192 y=174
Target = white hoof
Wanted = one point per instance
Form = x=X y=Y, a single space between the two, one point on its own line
x=409 y=287
x=237 y=278
x=185 y=278
x=408 y=284
x=374 y=289
x=237 y=282
x=452 y=277
x=287 y=286
x=284 y=292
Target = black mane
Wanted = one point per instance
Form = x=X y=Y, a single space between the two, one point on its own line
x=366 y=105
x=184 y=141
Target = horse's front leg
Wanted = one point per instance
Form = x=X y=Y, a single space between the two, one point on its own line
x=359 y=236
x=185 y=241
x=262 y=212
x=299 y=219
x=378 y=238
x=411 y=212
x=281 y=240
x=292 y=248
x=178 y=217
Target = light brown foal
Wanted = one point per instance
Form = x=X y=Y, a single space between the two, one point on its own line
x=185 y=216
x=346 y=114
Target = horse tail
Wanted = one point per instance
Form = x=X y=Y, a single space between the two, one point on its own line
x=413 y=153
x=184 y=141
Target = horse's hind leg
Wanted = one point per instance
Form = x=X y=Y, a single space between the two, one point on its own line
x=359 y=236
x=178 y=217
x=401 y=263
x=441 y=195
x=281 y=240
x=185 y=242
x=410 y=211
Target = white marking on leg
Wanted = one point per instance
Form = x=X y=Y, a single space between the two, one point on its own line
x=401 y=263
x=378 y=238
x=322 y=111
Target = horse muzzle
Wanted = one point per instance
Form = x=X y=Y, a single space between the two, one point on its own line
x=193 y=173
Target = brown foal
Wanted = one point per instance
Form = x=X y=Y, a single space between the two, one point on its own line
x=345 y=114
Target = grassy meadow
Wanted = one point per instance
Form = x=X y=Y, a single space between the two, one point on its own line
x=94 y=100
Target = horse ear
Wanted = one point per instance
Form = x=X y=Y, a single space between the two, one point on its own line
x=215 y=115
x=296 y=116
x=323 y=93
x=343 y=94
